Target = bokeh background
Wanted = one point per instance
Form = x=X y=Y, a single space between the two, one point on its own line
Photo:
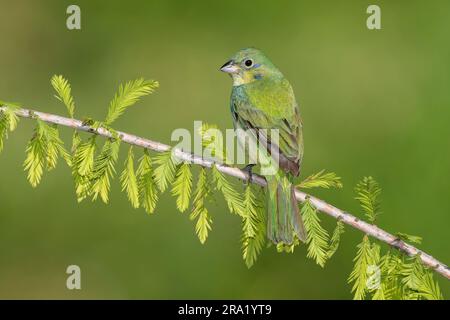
x=373 y=102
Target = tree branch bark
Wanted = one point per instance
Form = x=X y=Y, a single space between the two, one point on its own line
x=321 y=205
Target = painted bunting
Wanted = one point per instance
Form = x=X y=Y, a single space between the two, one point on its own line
x=263 y=103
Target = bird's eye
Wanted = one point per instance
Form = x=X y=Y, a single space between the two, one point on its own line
x=248 y=63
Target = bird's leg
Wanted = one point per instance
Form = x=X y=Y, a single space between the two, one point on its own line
x=248 y=168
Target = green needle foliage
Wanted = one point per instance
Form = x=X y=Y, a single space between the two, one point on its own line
x=375 y=275
x=335 y=238
x=54 y=144
x=418 y=281
x=82 y=165
x=203 y=225
x=253 y=226
x=165 y=170
x=182 y=186
x=82 y=182
x=146 y=183
x=43 y=151
x=320 y=246
x=390 y=288
x=212 y=142
x=4 y=126
x=84 y=156
x=317 y=236
x=104 y=169
x=368 y=194
x=8 y=121
x=409 y=238
x=321 y=179
x=388 y=276
x=232 y=197
x=199 y=211
x=35 y=160
x=250 y=217
x=128 y=95
x=129 y=181
x=64 y=93
x=359 y=273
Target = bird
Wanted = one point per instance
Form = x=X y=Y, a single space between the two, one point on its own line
x=264 y=106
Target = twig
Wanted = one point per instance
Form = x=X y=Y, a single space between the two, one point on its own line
x=321 y=205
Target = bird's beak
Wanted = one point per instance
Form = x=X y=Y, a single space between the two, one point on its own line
x=229 y=67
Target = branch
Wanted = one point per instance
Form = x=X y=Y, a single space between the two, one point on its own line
x=321 y=205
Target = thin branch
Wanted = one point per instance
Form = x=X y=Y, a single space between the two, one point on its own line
x=321 y=205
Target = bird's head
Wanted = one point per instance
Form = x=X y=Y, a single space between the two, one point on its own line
x=249 y=65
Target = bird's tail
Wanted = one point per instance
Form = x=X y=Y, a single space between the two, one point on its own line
x=284 y=219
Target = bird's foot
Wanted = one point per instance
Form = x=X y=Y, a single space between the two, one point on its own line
x=248 y=169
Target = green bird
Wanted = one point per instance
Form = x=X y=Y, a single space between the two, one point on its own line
x=263 y=104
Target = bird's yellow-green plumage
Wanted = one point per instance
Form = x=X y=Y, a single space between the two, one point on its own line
x=263 y=100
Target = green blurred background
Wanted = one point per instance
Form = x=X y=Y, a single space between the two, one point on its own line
x=373 y=102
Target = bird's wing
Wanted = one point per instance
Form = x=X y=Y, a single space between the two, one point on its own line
x=265 y=113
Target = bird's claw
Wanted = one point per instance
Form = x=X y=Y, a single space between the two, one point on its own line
x=248 y=169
